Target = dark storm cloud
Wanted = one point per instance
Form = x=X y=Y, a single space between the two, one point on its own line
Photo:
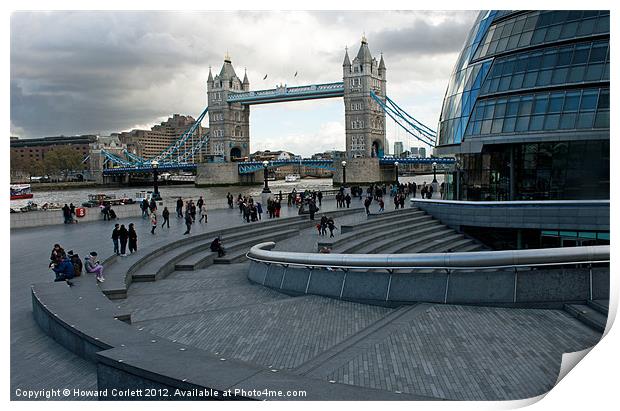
x=89 y=72
x=78 y=72
x=424 y=38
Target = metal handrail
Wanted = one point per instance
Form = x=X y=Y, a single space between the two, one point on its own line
x=477 y=260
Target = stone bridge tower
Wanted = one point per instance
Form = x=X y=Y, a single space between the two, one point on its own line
x=364 y=119
x=229 y=124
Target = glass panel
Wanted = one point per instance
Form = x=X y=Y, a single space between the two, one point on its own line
x=602 y=119
x=513 y=106
x=576 y=74
x=559 y=75
x=567 y=121
x=486 y=127
x=603 y=100
x=585 y=120
x=598 y=53
x=525 y=107
x=544 y=78
x=536 y=123
x=509 y=124
x=497 y=126
x=552 y=122
x=588 y=100
x=555 y=102
x=522 y=123
x=594 y=72
x=565 y=55
x=581 y=54
x=530 y=79
x=540 y=104
x=571 y=102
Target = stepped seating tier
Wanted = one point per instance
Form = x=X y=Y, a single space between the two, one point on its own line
x=399 y=231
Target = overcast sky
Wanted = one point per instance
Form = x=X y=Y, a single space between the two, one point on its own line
x=102 y=72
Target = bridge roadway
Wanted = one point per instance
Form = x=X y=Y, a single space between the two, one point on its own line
x=426 y=351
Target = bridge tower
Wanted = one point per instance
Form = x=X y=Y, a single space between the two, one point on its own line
x=229 y=124
x=364 y=119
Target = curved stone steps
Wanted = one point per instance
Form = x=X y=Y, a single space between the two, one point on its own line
x=437 y=245
x=198 y=261
x=372 y=227
x=394 y=245
x=238 y=245
x=384 y=218
x=447 y=244
x=368 y=245
x=470 y=247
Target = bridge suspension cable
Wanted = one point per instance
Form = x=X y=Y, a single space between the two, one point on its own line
x=423 y=133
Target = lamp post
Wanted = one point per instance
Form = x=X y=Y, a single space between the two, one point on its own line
x=266 y=188
x=344 y=173
x=434 y=171
x=396 y=165
x=156 y=196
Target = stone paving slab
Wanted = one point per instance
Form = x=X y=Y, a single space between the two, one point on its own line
x=470 y=353
x=282 y=334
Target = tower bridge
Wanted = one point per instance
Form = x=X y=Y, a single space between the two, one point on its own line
x=363 y=89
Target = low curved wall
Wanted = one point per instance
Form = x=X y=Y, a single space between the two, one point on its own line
x=327 y=275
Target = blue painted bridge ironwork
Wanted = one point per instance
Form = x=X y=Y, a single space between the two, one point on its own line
x=284 y=93
x=248 y=167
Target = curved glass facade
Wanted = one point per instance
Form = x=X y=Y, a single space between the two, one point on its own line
x=530 y=82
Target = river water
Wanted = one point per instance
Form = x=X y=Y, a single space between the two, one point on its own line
x=78 y=196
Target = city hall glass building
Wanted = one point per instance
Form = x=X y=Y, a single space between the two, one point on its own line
x=526 y=112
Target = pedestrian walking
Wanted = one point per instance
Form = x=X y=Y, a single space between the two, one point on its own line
x=188 y=222
x=123 y=236
x=347 y=199
x=180 y=208
x=259 y=210
x=202 y=212
x=115 y=235
x=381 y=205
x=153 y=222
x=166 y=216
x=331 y=225
x=133 y=239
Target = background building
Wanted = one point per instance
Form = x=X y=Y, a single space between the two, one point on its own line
x=398 y=148
x=149 y=143
x=422 y=152
x=414 y=151
x=34 y=149
x=526 y=111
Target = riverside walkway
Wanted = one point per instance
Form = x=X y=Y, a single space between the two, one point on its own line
x=423 y=351
x=37 y=361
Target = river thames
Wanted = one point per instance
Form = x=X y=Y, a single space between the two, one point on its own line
x=78 y=196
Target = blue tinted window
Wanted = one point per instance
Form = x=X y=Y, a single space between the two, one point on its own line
x=588 y=100
x=556 y=102
x=571 y=103
x=540 y=104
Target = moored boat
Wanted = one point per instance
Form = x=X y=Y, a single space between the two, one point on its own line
x=20 y=191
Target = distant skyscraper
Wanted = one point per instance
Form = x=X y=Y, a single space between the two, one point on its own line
x=414 y=151
x=422 y=152
x=398 y=148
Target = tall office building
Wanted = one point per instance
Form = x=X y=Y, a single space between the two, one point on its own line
x=398 y=148
x=422 y=152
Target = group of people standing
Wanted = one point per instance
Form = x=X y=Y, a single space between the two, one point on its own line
x=326 y=223
x=122 y=236
x=251 y=210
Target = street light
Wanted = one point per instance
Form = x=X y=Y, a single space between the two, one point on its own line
x=434 y=172
x=344 y=173
x=156 y=196
x=266 y=188
x=396 y=165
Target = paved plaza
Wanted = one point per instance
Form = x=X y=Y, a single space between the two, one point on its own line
x=37 y=361
x=425 y=350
